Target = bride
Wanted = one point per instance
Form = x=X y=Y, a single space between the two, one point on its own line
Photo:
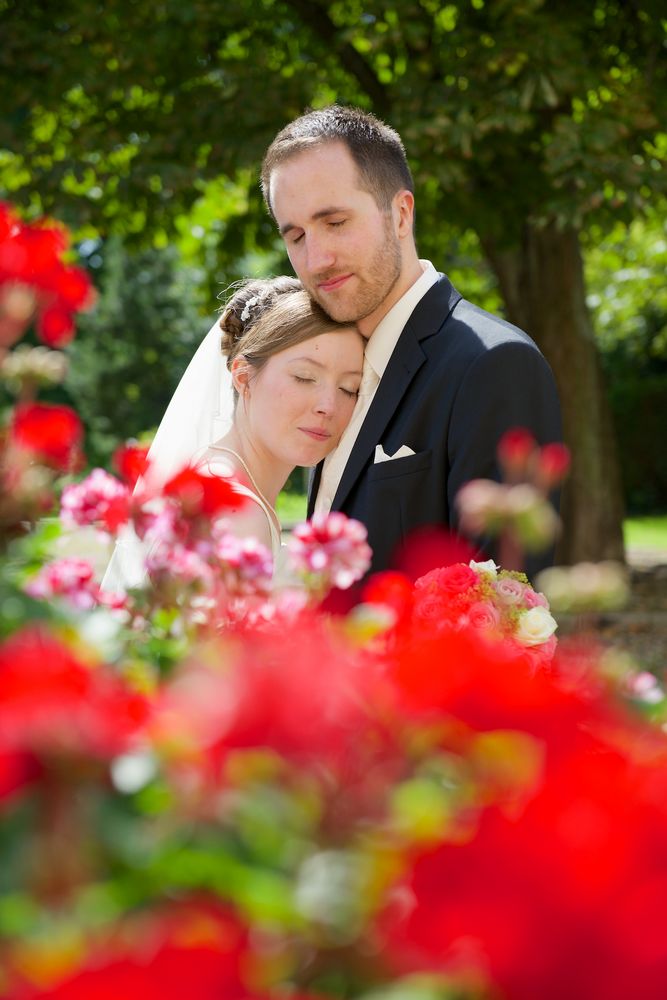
x=282 y=398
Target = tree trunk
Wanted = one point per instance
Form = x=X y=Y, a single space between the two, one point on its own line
x=542 y=283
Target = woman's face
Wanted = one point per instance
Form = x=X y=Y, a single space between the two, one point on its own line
x=300 y=402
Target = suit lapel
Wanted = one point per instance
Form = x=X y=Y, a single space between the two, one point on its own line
x=314 y=477
x=408 y=357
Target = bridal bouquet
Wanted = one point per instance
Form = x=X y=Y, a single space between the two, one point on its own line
x=499 y=603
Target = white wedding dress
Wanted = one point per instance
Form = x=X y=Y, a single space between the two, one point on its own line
x=199 y=413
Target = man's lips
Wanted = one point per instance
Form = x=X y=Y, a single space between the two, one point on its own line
x=333 y=284
x=316 y=433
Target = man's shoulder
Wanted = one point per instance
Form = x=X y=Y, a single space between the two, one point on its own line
x=486 y=328
x=463 y=326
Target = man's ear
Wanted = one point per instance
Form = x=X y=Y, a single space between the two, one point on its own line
x=240 y=374
x=403 y=210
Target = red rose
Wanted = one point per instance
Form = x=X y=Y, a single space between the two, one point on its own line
x=450 y=580
x=52 y=433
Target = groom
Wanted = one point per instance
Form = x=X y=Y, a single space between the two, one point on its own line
x=443 y=380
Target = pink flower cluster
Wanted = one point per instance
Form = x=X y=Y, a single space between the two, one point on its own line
x=330 y=550
x=74 y=581
x=99 y=500
x=500 y=603
x=247 y=564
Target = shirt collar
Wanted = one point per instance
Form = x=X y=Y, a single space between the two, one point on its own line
x=383 y=340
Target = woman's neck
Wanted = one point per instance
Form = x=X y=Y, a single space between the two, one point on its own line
x=268 y=474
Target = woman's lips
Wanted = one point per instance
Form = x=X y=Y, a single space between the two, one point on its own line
x=316 y=433
x=333 y=284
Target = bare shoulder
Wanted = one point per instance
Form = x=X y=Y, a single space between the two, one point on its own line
x=249 y=520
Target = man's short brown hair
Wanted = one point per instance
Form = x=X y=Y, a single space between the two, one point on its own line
x=376 y=149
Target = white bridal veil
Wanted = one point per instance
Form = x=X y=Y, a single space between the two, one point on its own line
x=199 y=413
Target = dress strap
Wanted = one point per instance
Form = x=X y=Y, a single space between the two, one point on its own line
x=256 y=494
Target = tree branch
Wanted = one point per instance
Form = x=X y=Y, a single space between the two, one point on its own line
x=317 y=19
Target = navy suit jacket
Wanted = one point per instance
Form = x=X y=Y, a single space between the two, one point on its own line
x=458 y=378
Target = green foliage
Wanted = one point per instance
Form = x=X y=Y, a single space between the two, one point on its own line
x=510 y=111
x=626 y=291
x=625 y=273
x=134 y=345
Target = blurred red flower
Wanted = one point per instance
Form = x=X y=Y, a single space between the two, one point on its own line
x=52 y=433
x=130 y=461
x=200 y=495
x=43 y=287
x=189 y=950
x=559 y=896
x=515 y=451
x=55 y=326
x=52 y=702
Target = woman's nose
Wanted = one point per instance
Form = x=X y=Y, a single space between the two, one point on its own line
x=326 y=401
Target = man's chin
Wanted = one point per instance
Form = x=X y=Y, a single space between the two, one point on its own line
x=341 y=312
x=339 y=309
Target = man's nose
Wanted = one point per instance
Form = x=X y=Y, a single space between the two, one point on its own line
x=319 y=254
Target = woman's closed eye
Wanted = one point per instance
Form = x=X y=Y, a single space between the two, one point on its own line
x=352 y=393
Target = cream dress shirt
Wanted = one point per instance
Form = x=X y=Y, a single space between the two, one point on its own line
x=379 y=350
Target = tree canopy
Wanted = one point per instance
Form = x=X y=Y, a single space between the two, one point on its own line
x=117 y=113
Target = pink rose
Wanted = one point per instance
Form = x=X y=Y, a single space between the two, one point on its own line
x=509 y=590
x=541 y=656
x=534 y=599
x=483 y=615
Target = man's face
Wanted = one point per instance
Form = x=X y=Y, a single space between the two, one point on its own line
x=345 y=250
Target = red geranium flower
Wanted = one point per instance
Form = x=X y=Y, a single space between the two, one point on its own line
x=130 y=461
x=52 y=433
x=202 y=495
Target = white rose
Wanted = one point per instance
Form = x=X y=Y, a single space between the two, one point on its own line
x=535 y=626
x=488 y=567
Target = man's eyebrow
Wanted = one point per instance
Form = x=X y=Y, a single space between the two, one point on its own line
x=329 y=210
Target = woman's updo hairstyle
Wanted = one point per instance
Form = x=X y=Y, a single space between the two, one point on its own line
x=265 y=316
x=250 y=298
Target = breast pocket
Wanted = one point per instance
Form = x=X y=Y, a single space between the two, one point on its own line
x=396 y=467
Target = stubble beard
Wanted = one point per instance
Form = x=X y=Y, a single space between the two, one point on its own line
x=380 y=277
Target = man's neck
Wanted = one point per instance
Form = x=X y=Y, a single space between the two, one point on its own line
x=411 y=272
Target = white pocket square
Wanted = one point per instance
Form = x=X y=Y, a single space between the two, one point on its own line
x=381 y=455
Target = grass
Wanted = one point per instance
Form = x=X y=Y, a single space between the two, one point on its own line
x=291 y=508
x=646 y=532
